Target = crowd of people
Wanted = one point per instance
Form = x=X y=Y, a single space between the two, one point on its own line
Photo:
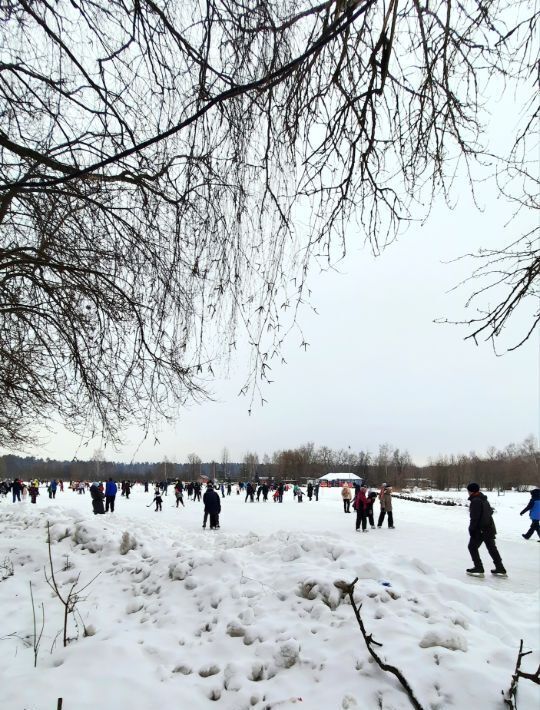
x=363 y=502
x=482 y=530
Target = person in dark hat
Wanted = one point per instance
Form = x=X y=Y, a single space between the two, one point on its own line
x=482 y=530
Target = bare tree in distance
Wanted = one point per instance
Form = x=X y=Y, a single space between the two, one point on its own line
x=158 y=162
x=195 y=463
x=225 y=460
x=98 y=457
x=251 y=462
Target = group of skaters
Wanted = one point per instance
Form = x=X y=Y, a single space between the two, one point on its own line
x=363 y=502
x=21 y=491
x=481 y=527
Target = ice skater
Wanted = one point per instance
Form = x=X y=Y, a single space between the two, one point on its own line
x=158 y=500
x=385 y=498
x=533 y=507
x=346 y=495
x=369 y=508
x=111 y=489
x=178 y=492
x=212 y=507
x=360 y=505
x=482 y=530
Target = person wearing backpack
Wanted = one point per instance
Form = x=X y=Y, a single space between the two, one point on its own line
x=482 y=530
x=533 y=507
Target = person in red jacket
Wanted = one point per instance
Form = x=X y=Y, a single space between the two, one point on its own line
x=360 y=505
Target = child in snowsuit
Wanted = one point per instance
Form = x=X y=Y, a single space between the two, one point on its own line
x=534 y=507
x=158 y=500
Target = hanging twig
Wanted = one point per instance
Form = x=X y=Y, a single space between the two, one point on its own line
x=370 y=643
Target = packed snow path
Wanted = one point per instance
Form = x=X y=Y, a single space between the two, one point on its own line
x=248 y=616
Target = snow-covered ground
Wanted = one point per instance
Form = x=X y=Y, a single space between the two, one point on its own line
x=248 y=616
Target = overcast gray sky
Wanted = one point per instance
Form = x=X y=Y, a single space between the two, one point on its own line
x=377 y=368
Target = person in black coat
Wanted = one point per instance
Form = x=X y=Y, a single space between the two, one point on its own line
x=482 y=530
x=158 y=500
x=16 y=489
x=369 y=508
x=250 y=493
x=97 y=499
x=212 y=507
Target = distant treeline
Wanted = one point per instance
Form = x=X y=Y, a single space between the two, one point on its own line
x=514 y=466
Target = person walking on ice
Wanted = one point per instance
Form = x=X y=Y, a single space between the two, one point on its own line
x=369 y=508
x=111 y=489
x=212 y=507
x=360 y=505
x=385 y=498
x=482 y=530
x=158 y=500
x=534 y=507
x=178 y=492
x=346 y=495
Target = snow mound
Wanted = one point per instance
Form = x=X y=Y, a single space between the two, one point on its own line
x=444 y=637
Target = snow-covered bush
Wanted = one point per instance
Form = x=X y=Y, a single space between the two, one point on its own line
x=6 y=569
x=91 y=540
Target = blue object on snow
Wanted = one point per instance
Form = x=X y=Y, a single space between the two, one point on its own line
x=385 y=584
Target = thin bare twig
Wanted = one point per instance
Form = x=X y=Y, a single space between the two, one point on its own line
x=510 y=699
x=348 y=589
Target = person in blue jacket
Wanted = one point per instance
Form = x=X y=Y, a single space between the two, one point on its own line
x=533 y=507
x=111 y=489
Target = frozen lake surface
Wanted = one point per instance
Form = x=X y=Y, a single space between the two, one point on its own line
x=248 y=616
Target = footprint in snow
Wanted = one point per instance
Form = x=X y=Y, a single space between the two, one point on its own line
x=208 y=671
